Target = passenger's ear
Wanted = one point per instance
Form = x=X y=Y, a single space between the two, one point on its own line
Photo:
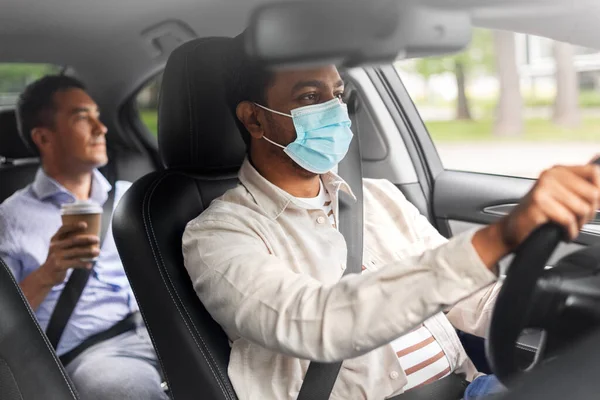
x=40 y=136
x=247 y=113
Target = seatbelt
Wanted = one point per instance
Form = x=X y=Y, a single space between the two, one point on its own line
x=320 y=377
x=129 y=323
x=77 y=281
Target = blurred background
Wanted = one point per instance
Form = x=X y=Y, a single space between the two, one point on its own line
x=510 y=104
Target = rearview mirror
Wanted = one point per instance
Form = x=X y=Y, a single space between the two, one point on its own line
x=353 y=32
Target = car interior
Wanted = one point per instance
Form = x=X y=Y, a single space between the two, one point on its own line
x=28 y=364
x=18 y=163
x=116 y=48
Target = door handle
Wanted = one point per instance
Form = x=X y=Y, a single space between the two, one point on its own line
x=500 y=210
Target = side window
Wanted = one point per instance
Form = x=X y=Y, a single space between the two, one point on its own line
x=14 y=77
x=147 y=104
x=510 y=104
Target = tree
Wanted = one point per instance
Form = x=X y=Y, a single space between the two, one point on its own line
x=566 y=103
x=509 y=112
x=463 y=110
x=477 y=58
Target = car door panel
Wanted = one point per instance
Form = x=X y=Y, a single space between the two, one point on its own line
x=458 y=201
x=463 y=200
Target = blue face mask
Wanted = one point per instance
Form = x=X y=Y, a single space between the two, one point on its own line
x=323 y=135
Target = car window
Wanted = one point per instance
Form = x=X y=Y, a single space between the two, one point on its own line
x=147 y=103
x=14 y=77
x=510 y=104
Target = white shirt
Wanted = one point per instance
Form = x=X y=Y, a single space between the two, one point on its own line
x=269 y=271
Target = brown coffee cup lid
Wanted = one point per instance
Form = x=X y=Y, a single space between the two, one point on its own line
x=81 y=207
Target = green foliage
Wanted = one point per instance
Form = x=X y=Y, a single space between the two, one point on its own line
x=535 y=129
x=589 y=99
x=150 y=119
x=477 y=58
x=487 y=106
x=15 y=76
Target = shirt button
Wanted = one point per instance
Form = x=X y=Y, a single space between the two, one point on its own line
x=321 y=220
x=394 y=375
x=342 y=266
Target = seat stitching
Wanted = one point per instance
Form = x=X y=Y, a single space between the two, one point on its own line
x=43 y=335
x=162 y=270
x=149 y=194
x=184 y=309
x=164 y=370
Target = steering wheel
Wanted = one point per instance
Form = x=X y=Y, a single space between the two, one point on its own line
x=564 y=302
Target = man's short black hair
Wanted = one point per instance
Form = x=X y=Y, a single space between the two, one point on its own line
x=36 y=107
x=250 y=82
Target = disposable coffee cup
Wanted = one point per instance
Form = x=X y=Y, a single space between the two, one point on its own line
x=83 y=211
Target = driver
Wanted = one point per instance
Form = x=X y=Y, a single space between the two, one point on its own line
x=267 y=259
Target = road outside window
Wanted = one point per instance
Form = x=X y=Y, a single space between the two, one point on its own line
x=510 y=104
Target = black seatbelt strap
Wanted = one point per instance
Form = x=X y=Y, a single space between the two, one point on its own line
x=320 y=377
x=77 y=281
x=127 y=324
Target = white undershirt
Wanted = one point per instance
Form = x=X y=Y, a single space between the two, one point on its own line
x=321 y=202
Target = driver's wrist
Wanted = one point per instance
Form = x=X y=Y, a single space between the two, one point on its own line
x=506 y=233
x=490 y=246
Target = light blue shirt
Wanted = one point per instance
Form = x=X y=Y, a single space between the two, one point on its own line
x=29 y=219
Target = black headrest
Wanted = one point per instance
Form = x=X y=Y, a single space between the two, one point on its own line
x=11 y=144
x=196 y=128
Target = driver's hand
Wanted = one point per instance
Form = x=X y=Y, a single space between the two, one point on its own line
x=67 y=247
x=568 y=196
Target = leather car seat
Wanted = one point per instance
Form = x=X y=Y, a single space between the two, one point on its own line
x=202 y=151
x=29 y=367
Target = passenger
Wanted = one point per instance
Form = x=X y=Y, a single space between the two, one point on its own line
x=267 y=259
x=59 y=119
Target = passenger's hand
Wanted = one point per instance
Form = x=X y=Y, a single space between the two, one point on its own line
x=67 y=247
x=568 y=196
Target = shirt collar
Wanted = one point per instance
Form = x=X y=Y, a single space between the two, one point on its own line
x=46 y=187
x=274 y=200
